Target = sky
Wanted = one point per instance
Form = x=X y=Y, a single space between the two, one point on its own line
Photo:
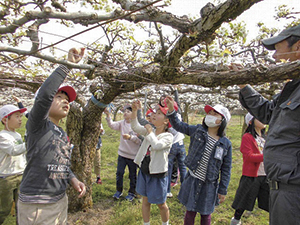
x=261 y=12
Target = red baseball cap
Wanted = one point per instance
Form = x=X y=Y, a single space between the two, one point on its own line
x=149 y=112
x=65 y=88
x=219 y=109
x=70 y=92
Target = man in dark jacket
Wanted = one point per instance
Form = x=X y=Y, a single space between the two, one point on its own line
x=282 y=149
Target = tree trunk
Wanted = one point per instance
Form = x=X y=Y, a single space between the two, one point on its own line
x=83 y=128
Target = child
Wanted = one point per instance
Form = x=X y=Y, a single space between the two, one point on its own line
x=12 y=158
x=97 y=160
x=129 y=145
x=48 y=173
x=209 y=155
x=253 y=183
x=152 y=159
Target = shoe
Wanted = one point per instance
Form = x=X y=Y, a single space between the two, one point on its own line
x=98 y=181
x=130 y=196
x=117 y=195
x=169 y=195
x=173 y=184
x=235 y=221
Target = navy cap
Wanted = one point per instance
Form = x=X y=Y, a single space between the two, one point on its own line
x=269 y=43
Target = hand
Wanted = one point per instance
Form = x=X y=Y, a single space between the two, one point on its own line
x=78 y=186
x=221 y=198
x=139 y=104
x=235 y=66
x=170 y=103
x=126 y=136
x=16 y=99
x=134 y=105
x=106 y=111
x=75 y=55
x=241 y=86
x=148 y=128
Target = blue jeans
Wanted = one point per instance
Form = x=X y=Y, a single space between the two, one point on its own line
x=177 y=151
x=132 y=167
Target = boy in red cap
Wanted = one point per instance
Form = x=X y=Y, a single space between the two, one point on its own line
x=48 y=172
x=12 y=158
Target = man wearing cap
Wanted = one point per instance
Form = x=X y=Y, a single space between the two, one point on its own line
x=42 y=198
x=282 y=148
x=12 y=158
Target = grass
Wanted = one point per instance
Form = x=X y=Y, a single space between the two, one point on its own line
x=109 y=212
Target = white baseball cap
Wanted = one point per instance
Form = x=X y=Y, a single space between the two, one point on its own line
x=248 y=118
x=7 y=110
x=219 y=109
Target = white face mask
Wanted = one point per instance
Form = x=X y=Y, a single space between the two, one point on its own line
x=210 y=121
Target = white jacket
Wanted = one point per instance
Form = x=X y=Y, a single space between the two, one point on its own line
x=159 y=151
x=12 y=153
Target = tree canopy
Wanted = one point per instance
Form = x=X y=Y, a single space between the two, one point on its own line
x=198 y=51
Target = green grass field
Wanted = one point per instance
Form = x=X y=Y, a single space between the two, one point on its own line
x=109 y=212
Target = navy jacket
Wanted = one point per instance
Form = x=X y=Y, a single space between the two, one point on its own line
x=198 y=139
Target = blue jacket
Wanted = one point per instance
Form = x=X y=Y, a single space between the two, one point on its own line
x=198 y=139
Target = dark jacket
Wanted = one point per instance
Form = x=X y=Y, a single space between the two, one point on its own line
x=47 y=173
x=282 y=148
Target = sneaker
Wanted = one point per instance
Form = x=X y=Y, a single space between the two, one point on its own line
x=117 y=195
x=130 y=196
x=173 y=184
x=98 y=181
x=235 y=221
x=169 y=195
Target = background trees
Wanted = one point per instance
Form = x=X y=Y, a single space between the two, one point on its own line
x=144 y=44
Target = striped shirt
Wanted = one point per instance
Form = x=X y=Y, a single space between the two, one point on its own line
x=202 y=168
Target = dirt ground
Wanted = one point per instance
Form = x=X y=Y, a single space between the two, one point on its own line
x=99 y=214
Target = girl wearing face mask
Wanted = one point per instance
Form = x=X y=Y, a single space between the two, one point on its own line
x=208 y=160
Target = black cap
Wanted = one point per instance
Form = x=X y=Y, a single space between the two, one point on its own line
x=269 y=43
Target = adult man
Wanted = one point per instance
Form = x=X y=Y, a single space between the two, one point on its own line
x=282 y=149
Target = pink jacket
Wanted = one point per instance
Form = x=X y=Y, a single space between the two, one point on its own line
x=127 y=148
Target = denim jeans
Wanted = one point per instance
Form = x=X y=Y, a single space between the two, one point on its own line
x=132 y=167
x=177 y=151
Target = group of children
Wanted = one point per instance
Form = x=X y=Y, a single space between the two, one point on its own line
x=150 y=145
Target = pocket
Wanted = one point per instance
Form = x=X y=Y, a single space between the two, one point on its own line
x=288 y=104
x=198 y=142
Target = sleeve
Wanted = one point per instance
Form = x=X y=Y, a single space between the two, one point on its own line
x=10 y=146
x=225 y=172
x=141 y=120
x=137 y=128
x=176 y=98
x=39 y=112
x=103 y=131
x=247 y=149
x=180 y=126
x=256 y=104
x=113 y=125
x=160 y=144
x=21 y=106
x=134 y=138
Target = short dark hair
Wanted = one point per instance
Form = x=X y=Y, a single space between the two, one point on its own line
x=7 y=118
x=222 y=127
x=251 y=129
x=292 y=40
